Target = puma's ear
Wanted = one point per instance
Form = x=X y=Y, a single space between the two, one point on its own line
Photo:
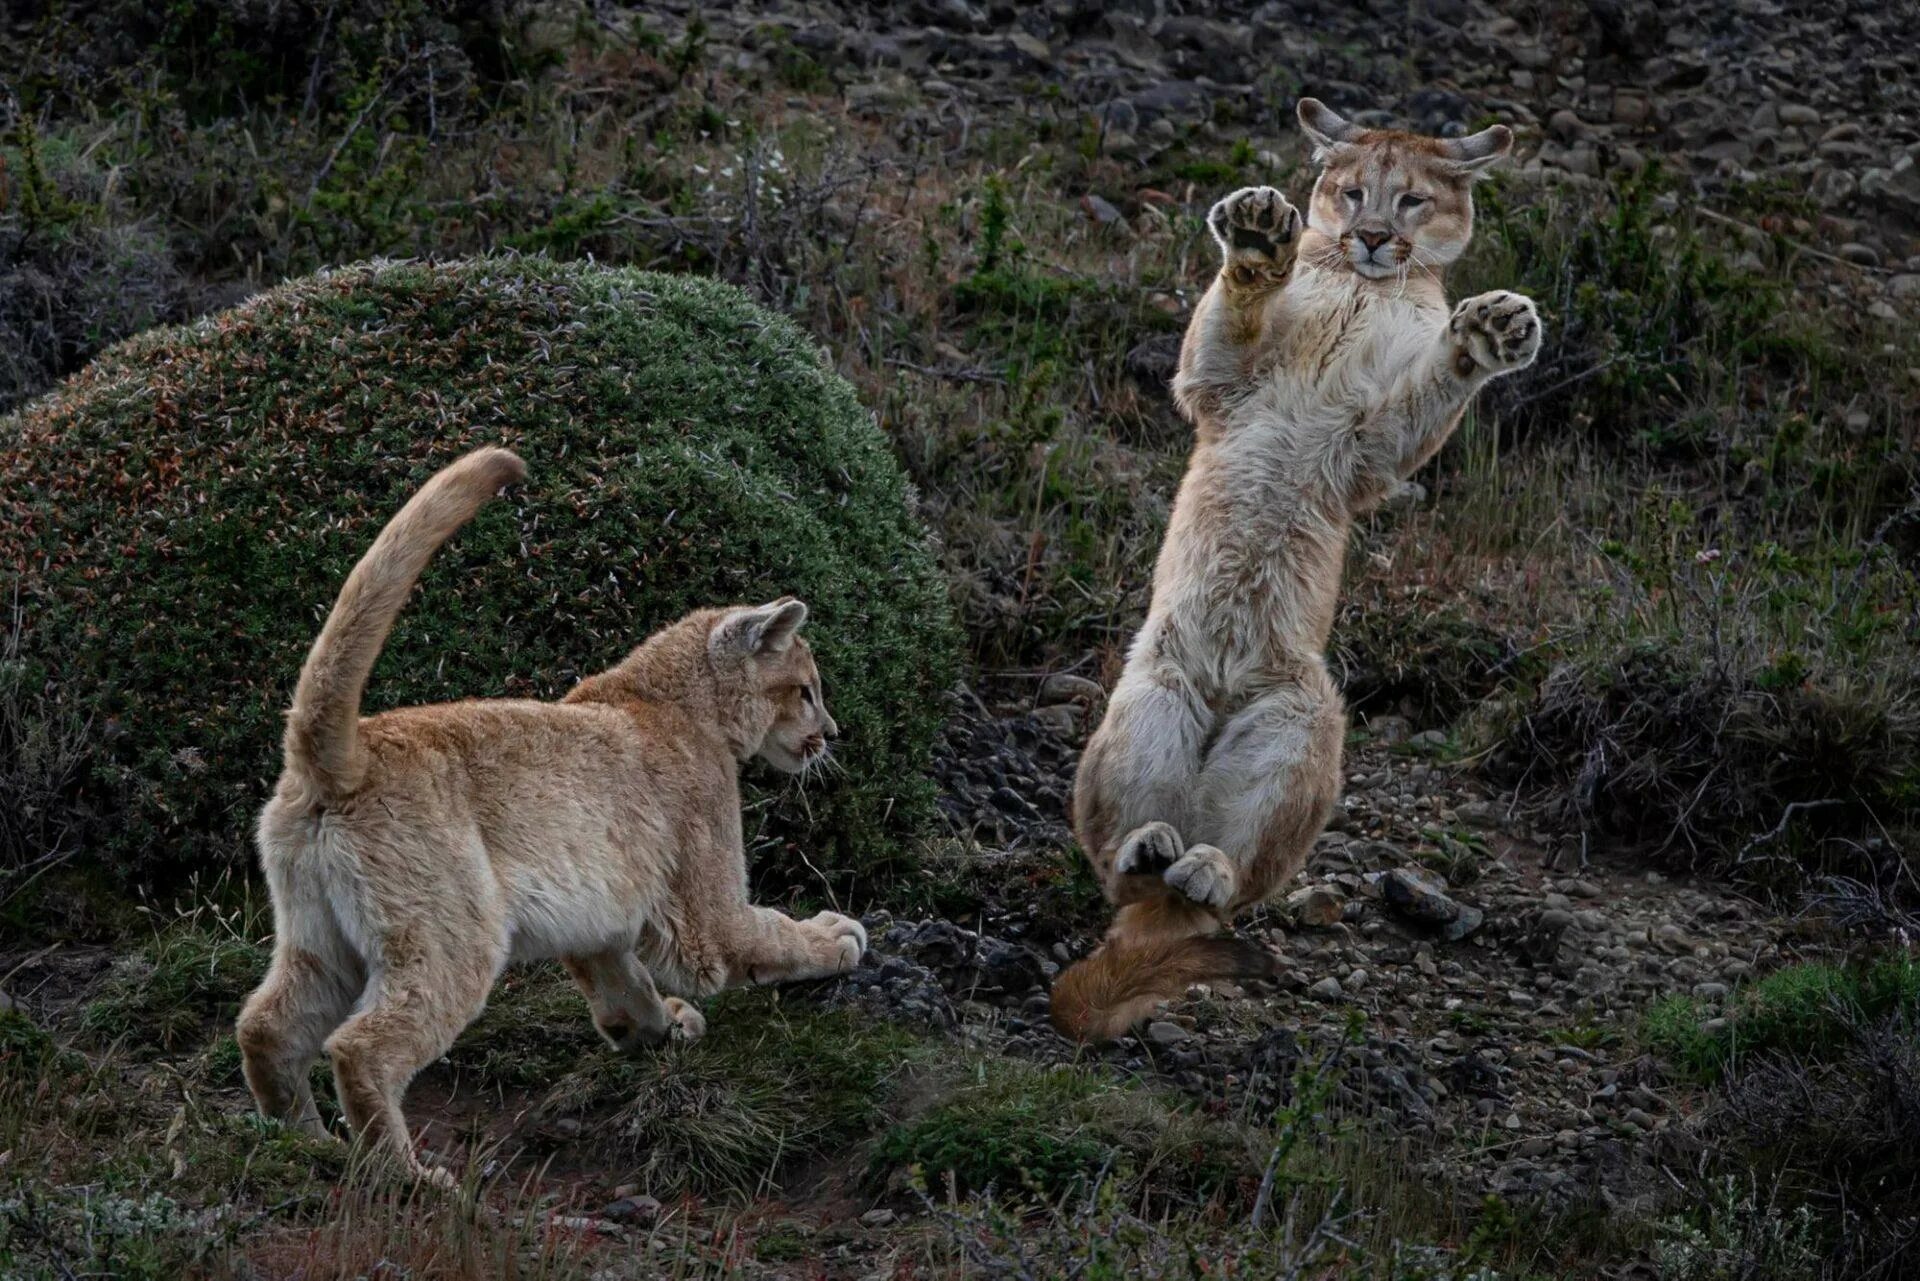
x=763 y=629
x=1478 y=151
x=1325 y=127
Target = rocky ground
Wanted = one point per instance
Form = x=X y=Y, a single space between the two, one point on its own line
x=1820 y=98
x=1499 y=970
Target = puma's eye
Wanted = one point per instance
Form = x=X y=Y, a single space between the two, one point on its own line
x=1412 y=200
x=806 y=695
x=1354 y=194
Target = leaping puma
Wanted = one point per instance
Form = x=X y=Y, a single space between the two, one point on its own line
x=1321 y=368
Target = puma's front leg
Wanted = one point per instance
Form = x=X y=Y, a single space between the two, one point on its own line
x=772 y=947
x=1487 y=336
x=1258 y=232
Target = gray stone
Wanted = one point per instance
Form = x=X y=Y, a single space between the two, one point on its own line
x=1316 y=906
x=1101 y=210
x=1166 y=1032
x=1327 y=989
x=632 y=1209
x=1418 y=895
x=1065 y=687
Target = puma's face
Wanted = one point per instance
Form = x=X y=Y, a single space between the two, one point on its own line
x=801 y=723
x=1394 y=201
x=767 y=674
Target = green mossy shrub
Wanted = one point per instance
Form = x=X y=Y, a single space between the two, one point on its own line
x=1029 y=1131
x=1813 y=1011
x=768 y=1088
x=178 y=517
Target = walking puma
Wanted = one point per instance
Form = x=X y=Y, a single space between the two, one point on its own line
x=1321 y=369
x=413 y=854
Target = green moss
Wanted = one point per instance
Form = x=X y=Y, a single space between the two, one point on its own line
x=1813 y=1010
x=766 y=1089
x=1051 y=1131
x=186 y=508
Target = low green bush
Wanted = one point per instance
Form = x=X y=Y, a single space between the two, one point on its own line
x=1813 y=1010
x=767 y=1088
x=1029 y=1131
x=178 y=516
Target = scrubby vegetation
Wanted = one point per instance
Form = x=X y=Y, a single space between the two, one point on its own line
x=181 y=511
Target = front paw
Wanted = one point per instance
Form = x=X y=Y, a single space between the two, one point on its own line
x=1496 y=332
x=688 y=1023
x=1258 y=231
x=847 y=939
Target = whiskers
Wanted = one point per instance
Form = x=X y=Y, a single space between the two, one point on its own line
x=1327 y=259
x=821 y=765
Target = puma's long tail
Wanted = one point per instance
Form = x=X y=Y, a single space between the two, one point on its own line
x=1156 y=949
x=322 y=745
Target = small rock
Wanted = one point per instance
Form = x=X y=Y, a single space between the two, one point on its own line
x=632 y=1209
x=1101 y=210
x=1390 y=730
x=1863 y=255
x=1327 y=989
x=1418 y=895
x=1065 y=687
x=877 y=1218
x=1631 y=109
x=1317 y=906
x=1566 y=126
x=1060 y=720
x=1165 y=1032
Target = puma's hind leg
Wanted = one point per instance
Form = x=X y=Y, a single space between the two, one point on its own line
x=1133 y=796
x=309 y=988
x=283 y=1025
x=1269 y=784
x=627 y=1008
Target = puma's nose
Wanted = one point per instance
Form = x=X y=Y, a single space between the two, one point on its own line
x=1373 y=239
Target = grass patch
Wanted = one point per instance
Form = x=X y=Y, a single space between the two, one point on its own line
x=536 y=1029
x=181 y=986
x=1047 y=1133
x=769 y=1088
x=1813 y=1010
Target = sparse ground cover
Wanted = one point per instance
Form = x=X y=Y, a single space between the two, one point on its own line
x=1637 y=676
